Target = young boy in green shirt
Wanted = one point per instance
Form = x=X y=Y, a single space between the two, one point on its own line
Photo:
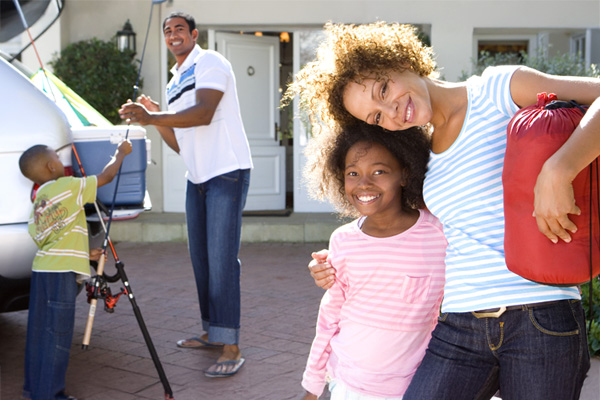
x=59 y=229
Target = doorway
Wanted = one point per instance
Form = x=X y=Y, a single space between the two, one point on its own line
x=262 y=66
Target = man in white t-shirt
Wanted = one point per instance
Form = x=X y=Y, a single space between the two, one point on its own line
x=203 y=124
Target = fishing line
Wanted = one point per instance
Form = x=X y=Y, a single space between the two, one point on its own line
x=51 y=92
x=31 y=40
x=135 y=90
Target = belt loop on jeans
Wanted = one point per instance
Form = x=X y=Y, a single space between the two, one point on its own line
x=487 y=314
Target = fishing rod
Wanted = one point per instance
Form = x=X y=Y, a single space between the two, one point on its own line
x=59 y=6
x=99 y=289
x=100 y=267
x=135 y=89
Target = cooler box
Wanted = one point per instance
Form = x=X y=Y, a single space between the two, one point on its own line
x=96 y=145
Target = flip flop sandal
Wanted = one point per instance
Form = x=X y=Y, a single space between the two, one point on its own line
x=197 y=343
x=236 y=363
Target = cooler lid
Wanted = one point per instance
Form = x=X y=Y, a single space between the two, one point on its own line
x=115 y=134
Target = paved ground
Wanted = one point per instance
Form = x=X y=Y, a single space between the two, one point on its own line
x=279 y=308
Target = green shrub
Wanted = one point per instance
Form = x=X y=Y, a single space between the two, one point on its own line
x=561 y=64
x=594 y=327
x=98 y=72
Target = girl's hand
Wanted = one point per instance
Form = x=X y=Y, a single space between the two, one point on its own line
x=321 y=271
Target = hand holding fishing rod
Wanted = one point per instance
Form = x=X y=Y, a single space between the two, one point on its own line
x=140 y=111
x=146 y=111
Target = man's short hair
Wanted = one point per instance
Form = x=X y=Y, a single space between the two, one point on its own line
x=30 y=157
x=180 y=14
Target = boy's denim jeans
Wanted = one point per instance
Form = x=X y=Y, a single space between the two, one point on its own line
x=538 y=353
x=49 y=334
x=214 y=223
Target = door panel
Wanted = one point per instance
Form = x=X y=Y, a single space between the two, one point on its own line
x=255 y=62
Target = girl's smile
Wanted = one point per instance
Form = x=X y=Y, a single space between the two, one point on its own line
x=373 y=180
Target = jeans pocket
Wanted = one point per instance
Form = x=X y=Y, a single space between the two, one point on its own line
x=232 y=176
x=415 y=288
x=61 y=315
x=558 y=320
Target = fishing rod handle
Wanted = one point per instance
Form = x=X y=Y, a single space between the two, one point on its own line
x=91 y=314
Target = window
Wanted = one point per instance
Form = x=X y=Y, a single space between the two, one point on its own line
x=511 y=49
x=578 y=47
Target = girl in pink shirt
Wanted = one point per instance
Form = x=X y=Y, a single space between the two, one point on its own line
x=376 y=320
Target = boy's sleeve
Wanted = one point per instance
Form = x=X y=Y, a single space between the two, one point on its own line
x=88 y=189
x=314 y=378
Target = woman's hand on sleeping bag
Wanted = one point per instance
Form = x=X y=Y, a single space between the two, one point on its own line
x=320 y=270
x=554 y=201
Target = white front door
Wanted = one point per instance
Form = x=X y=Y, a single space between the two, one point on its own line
x=255 y=62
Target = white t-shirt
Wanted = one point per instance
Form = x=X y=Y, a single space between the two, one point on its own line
x=221 y=146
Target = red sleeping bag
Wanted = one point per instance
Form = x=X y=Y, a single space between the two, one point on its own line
x=534 y=134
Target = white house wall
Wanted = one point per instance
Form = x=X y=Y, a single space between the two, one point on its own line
x=452 y=23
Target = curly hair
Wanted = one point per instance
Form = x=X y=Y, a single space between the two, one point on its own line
x=326 y=162
x=351 y=53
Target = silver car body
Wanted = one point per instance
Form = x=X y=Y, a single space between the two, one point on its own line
x=27 y=117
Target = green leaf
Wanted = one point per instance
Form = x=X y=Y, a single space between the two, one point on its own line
x=98 y=72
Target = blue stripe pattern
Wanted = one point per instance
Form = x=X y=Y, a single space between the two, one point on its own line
x=187 y=81
x=463 y=188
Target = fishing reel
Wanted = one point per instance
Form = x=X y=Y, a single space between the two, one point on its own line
x=97 y=288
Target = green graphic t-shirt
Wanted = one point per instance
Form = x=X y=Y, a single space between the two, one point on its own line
x=58 y=225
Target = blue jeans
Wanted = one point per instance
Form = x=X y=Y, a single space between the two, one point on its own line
x=49 y=334
x=535 y=354
x=214 y=223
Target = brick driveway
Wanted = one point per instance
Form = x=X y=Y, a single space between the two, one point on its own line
x=279 y=308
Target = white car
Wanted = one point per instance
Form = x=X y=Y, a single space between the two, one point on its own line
x=28 y=117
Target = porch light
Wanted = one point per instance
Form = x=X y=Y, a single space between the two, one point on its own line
x=126 y=38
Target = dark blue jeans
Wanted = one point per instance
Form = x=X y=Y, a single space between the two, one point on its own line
x=214 y=223
x=49 y=334
x=539 y=353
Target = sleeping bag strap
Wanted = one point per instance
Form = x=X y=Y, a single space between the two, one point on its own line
x=591 y=283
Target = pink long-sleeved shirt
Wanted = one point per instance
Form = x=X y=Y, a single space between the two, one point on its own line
x=375 y=322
